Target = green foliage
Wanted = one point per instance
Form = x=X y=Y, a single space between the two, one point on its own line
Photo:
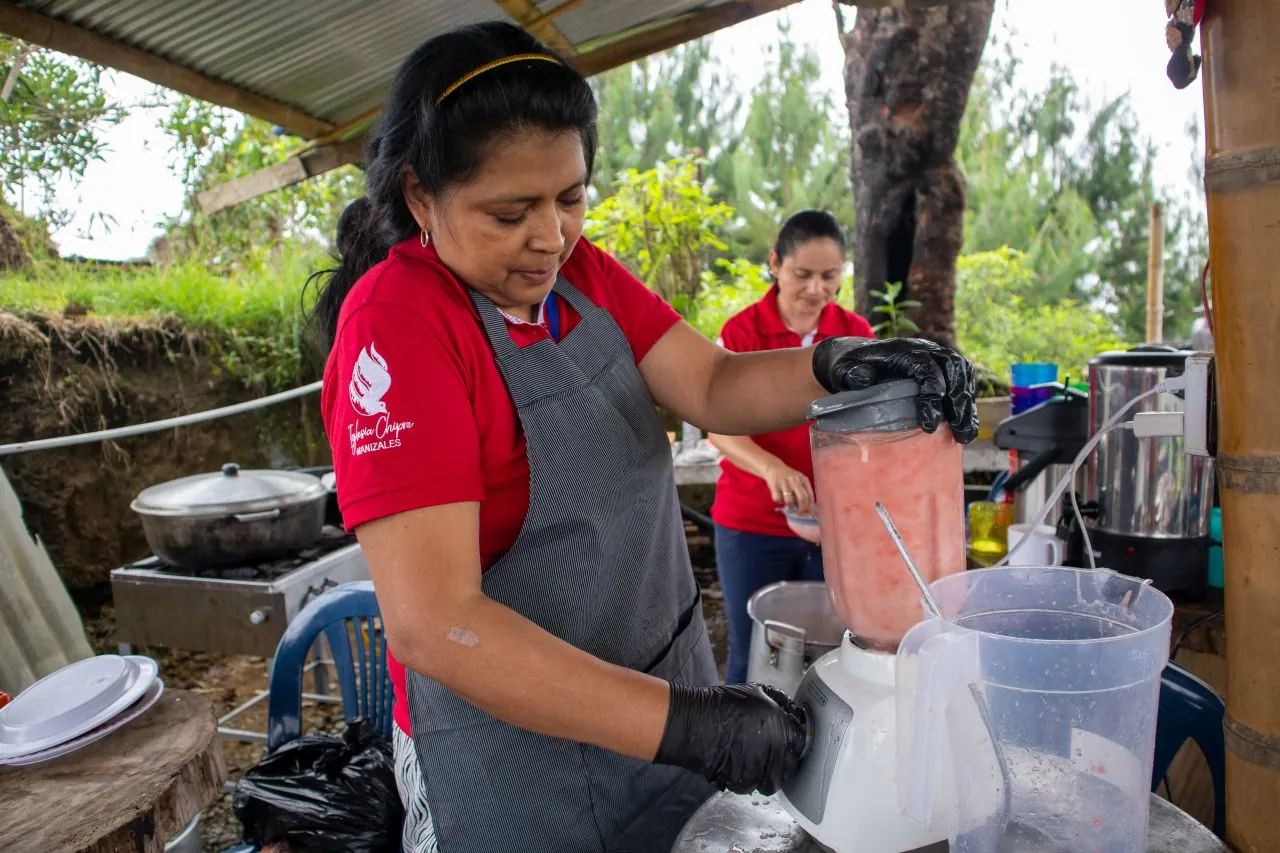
x=791 y=155
x=32 y=232
x=51 y=124
x=1013 y=199
x=211 y=146
x=1001 y=322
x=663 y=106
x=256 y=317
x=662 y=224
x=784 y=149
x=1071 y=187
x=892 y=307
x=732 y=287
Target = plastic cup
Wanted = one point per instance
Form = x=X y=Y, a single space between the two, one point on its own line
x=989 y=531
x=1034 y=373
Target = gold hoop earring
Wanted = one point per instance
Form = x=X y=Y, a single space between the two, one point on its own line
x=423 y=238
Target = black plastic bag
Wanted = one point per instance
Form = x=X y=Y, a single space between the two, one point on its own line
x=324 y=793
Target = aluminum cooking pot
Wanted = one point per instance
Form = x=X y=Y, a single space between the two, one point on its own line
x=231 y=518
x=793 y=624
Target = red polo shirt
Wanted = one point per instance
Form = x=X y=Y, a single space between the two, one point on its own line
x=742 y=500
x=416 y=410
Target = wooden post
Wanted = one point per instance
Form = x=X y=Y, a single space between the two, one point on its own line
x=1242 y=185
x=1155 y=276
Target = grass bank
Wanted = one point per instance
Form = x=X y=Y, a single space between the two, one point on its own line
x=251 y=319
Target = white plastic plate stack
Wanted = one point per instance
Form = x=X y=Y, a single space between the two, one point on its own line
x=78 y=705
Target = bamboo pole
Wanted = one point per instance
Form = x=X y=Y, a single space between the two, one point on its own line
x=1155 y=276
x=1242 y=184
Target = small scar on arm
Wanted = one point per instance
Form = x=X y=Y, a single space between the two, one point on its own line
x=463 y=637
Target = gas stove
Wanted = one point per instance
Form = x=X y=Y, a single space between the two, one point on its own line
x=240 y=610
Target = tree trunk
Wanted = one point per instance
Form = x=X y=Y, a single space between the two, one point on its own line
x=907 y=76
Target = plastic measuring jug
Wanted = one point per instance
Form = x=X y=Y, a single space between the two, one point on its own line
x=868 y=446
x=1045 y=683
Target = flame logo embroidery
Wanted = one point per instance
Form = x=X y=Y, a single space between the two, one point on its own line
x=370 y=381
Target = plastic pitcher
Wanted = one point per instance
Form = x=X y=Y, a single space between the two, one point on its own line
x=1045 y=683
x=868 y=446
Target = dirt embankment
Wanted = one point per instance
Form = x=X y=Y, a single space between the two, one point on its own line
x=69 y=375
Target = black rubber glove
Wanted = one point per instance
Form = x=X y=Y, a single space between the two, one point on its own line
x=947 y=388
x=741 y=737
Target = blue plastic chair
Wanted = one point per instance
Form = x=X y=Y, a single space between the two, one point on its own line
x=350 y=620
x=1191 y=710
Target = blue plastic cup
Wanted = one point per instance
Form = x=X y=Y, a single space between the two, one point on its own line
x=1034 y=373
x=1025 y=377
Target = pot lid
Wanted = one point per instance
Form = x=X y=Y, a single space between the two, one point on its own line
x=1147 y=355
x=887 y=407
x=232 y=490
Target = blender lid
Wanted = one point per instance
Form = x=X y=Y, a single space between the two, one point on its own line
x=888 y=407
x=1147 y=355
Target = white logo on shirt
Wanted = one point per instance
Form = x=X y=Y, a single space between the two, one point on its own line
x=370 y=381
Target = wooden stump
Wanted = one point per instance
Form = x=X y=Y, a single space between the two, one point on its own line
x=127 y=793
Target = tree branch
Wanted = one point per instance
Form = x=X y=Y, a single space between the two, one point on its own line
x=7 y=89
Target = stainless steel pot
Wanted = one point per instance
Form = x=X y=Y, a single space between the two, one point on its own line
x=1147 y=487
x=232 y=517
x=793 y=624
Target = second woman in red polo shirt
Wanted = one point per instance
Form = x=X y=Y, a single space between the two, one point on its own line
x=764 y=473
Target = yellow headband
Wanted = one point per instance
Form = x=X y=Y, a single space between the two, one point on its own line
x=489 y=66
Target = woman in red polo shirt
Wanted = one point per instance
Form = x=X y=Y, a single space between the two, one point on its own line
x=489 y=397
x=764 y=473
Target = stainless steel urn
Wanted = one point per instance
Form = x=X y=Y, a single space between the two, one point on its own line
x=1148 y=500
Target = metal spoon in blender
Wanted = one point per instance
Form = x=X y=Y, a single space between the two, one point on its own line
x=931 y=603
x=906 y=558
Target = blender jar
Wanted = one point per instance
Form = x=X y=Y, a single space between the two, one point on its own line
x=867 y=447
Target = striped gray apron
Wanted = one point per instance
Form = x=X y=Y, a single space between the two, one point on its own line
x=601 y=563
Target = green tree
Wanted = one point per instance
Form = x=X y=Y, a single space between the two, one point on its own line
x=211 y=146
x=663 y=225
x=1071 y=188
x=777 y=152
x=791 y=155
x=1002 y=319
x=660 y=107
x=1014 y=197
x=53 y=111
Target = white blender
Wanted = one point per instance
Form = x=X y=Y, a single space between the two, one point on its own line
x=868 y=447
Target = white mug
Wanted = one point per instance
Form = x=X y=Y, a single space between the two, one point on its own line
x=1043 y=547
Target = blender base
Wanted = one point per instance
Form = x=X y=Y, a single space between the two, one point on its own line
x=845 y=794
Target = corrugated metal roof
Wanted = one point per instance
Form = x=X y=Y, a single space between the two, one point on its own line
x=331 y=59
x=598 y=18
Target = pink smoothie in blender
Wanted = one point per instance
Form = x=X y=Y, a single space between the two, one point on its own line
x=868 y=447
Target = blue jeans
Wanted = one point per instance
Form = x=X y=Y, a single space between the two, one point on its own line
x=746 y=562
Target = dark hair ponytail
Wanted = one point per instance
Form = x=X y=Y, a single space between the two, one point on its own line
x=444 y=143
x=806 y=225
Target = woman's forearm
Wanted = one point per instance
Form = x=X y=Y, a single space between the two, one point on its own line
x=750 y=393
x=742 y=451
x=754 y=393
x=513 y=670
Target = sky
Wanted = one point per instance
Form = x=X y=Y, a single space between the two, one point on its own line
x=133 y=188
